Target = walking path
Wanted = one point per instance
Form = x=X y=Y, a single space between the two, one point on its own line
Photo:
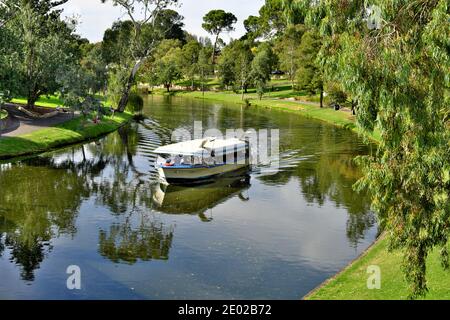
x=19 y=126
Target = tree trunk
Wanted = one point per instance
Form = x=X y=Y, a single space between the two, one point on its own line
x=214 y=50
x=126 y=92
x=321 y=97
x=33 y=96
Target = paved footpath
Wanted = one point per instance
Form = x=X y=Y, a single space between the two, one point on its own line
x=16 y=127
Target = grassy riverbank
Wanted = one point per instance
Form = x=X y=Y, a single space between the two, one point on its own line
x=307 y=109
x=70 y=132
x=351 y=283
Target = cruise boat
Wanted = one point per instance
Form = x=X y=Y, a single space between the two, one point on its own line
x=198 y=160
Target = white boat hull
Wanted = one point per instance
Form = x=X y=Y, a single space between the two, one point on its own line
x=194 y=174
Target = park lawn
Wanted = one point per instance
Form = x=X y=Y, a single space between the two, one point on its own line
x=351 y=283
x=338 y=118
x=70 y=132
x=49 y=102
x=3 y=114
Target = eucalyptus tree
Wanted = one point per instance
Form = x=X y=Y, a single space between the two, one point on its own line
x=287 y=48
x=144 y=38
x=215 y=22
x=262 y=66
x=393 y=58
x=271 y=18
x=189 y=60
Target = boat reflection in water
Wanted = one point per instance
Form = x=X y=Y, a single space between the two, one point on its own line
x=176 y=199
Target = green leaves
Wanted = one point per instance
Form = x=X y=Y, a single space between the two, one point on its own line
x=399 y=75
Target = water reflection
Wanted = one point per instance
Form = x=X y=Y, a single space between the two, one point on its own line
x=38 y=201
x=197 y=200
x=110 y=185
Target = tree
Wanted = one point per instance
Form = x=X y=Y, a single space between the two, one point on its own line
x=204 y=67
x=287 y=49
x=253 y=27
x=395 y=65
x=216 y=22
x=170 y=24
x=272 y=21
x=243 y=65
x=309 y=74
x=262 y=66
x=227 y=71
x=168 y=71
x=9 y=41
x=47 y=45
x=143 y=40
x=189 y=60
x=167 y=62
x=293 y=11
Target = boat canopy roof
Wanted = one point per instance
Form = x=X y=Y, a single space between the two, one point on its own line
x=200 y=147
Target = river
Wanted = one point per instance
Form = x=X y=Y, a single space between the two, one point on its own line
x=275 y=234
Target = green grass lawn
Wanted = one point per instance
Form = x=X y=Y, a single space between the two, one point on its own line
x=73 y=131
x=50 y=102
x=3 y=114
x=352 y=282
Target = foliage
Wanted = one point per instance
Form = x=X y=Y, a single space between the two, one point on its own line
x=262 y=66
x=190 y=59
x=309 y=74
x=397 y=70
x=217 y=21
x=336 y=93
x=169 y=24
x=44 y=45
x=287 y=49
x=138 y=38
x=135 y=103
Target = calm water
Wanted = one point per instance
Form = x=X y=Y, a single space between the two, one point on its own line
x=274 y=234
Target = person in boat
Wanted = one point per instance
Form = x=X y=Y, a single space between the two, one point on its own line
x=179 y=160
x=169 y=163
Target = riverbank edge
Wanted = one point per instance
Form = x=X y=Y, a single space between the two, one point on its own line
x=65 y=134
x=337 y=118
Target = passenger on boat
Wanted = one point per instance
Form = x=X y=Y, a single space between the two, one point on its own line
x=169 y=163
x=179 y=160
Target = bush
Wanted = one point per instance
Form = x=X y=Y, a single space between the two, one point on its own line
x=336 y=94
x=135 y=103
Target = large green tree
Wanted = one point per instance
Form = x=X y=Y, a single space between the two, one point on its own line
x=46 y=45
x=144 y=37
x=396 y=65
x=309 y=72
x=287 y=48
x=216 y=22
x=262 y=66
